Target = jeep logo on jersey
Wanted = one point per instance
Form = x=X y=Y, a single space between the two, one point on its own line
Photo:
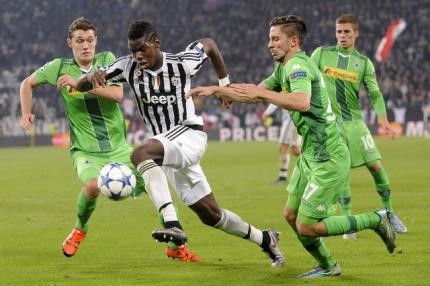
x=163 y=99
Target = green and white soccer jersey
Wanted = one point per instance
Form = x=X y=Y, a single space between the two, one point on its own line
x=344 y=71
x=97 y=127
x=317 y=126
x=96 y=124
x=323 y=164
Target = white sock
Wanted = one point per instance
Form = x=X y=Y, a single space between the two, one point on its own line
x=169 y=213
x=157 y=189
x=283 y=165
x=231 y=223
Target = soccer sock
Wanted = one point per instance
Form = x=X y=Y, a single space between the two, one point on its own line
x=336 y=225
x=232 y=224
x=157 y=189
x=317 y=248
x=283 y=166
x=85 y=209
x=345 y=199
x=382 y=185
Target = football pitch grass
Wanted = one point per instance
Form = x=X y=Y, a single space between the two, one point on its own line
x=37 y=211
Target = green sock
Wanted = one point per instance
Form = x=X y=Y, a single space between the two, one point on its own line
x=383 y=187
x=316 y=247
x=336 y=225
x=85 y=209
x=345 y=199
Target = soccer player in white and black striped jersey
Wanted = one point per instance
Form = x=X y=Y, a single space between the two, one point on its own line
x=160 y=82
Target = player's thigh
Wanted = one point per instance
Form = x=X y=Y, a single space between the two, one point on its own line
x=87 y=165
x=297 y=184
x=324 y=187
x=182 y=146
x=189 y=183
x=360 y=143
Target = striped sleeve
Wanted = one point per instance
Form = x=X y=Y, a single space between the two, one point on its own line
x=117 y=71
x=193 y=57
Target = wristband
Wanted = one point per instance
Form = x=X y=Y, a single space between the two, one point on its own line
x=224 y=81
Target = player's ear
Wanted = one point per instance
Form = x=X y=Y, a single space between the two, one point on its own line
x=69 y=42
x=157 y=43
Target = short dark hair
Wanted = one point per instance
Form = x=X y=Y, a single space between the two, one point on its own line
x=140 y=29
x=348 y=19
x=81 y=24
x=292 y=25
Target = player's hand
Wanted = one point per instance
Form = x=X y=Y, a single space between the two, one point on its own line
x=386 y=127
x=66 y=80
x=27 y=120
x=388 y=130
x=98 y=79
x=201 y=91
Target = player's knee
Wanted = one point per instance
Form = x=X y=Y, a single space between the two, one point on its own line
x=138 y=155
x=296 y=151
x=210 y=217
x=375 y=166
x=306 y=229
x=91 y=189
x=290 y=216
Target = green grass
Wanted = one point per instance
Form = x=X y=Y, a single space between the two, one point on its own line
x=37 y=211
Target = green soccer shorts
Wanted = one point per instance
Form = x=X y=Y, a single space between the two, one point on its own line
x=88 y=165
x=315 y=187
x=360 y=143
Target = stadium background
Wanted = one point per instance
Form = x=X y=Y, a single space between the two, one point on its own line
x=32 y=34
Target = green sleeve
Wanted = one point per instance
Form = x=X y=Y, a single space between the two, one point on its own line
x=273 y=81
x=49 y=72
x=299 y=77
x=372 y=87
x=316 y=56
x=110 y=58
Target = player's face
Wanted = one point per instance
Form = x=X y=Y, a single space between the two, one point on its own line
x=346 y=35
x=147 y=53
x=83 y=44
x=279 y=43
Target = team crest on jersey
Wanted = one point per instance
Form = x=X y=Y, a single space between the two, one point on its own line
x=137 y=73
x=175 y=81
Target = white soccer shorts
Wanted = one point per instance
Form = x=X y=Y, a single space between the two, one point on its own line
x=289 y=135
x=183 y=149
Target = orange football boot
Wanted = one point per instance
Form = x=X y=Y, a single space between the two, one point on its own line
x=70 y=245
x=183 y=253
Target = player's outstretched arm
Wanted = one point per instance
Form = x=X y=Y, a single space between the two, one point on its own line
x=91 y=81
x=26 y=94
x=225 y=92
x=96 y=84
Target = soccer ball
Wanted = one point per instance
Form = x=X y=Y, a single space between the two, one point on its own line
x=116 y=181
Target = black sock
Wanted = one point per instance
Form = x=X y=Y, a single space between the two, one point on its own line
x=173 y=223
x=266 y=239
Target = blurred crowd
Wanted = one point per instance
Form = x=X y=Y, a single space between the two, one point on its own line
x=33 y=33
